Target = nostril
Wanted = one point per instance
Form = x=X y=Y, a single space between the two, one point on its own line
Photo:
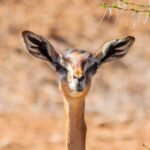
x=74 y=77
x=81 y=78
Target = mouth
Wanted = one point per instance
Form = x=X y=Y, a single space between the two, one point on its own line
x=79 y=89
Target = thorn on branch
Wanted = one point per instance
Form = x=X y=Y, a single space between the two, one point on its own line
x=129 y=6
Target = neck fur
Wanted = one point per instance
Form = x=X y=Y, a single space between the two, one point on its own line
x=74 y=104
x=75 y=124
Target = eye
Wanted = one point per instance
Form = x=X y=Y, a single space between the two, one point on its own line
x=60 y=68
x=92 y=69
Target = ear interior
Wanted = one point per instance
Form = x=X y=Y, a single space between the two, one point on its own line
x=39 y=46
x=115 y=49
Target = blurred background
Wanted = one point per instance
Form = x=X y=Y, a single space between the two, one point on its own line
x=31 y=106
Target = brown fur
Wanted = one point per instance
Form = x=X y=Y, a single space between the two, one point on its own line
x=71 y=66
x=74 y=104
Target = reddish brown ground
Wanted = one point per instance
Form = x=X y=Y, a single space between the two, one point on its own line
x=31 y=107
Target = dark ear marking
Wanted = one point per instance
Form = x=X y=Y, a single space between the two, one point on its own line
x=121 y=43
x=39 y=47
x=114 y=49
x=42 y=46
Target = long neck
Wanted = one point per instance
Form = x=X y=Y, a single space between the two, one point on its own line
x=75 y=124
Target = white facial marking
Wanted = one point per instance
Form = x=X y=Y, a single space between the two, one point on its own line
x=74 y=83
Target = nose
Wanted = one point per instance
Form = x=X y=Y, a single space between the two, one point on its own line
x=79 y=78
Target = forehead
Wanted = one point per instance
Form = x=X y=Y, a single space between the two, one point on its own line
x=76 y=56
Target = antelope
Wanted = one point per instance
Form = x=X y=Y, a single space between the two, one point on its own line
x=75 y=67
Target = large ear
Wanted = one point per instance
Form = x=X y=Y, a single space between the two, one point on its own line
x=114 y=49
x=39 y=47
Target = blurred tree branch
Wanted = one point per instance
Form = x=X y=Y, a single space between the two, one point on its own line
x=130 y=6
